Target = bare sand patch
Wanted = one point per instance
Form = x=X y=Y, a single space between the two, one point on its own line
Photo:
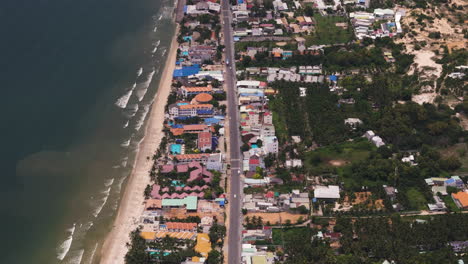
x=277 y=218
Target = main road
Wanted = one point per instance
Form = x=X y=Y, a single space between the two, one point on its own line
x=235 y=225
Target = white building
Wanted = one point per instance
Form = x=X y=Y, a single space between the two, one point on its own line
x=270 y=144
x=327 y=192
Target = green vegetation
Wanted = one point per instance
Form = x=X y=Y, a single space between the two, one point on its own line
x=326 y=31
x=167 y=250
x=416 y=199
x=280 y=234
x=372 y=240
x=450 y=204
x=321 y=160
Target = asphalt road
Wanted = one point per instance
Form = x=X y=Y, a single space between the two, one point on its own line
x=235 y=225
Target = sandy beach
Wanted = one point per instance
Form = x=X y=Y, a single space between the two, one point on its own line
x=131 y=205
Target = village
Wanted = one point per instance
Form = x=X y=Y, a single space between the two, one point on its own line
x=313 y=152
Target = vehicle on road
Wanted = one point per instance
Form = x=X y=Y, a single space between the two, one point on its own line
x=235 y=195
x=227 y=63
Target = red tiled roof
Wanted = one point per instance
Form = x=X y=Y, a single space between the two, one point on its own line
x=197 y=106
x=195 y=127
x=198 y=89
x=191 y=156
x=183 y=226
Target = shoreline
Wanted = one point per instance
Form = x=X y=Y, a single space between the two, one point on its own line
x=132 y=203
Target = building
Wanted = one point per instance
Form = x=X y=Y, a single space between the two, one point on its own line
x=215 y=162
x=190 y=203
x=391 y=192
x=204 y=141
x=187 y=91
x=327 y=192
x=270 y=145
x=438 y=206
x=293 y=163
x=187 y=158
x=461 y=199
x=180 y=227
x=353 y=122
x=254 y=162
x=200 y=54
x=459 y=246
x=190 y=110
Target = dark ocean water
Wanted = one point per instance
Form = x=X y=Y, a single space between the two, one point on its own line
x=76 y=86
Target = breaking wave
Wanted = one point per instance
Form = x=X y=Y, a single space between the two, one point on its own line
x=63 y=249
x=123 y=100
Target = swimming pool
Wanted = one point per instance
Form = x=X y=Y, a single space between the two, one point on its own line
x=176 y=148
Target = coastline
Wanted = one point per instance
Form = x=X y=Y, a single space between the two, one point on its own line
x=132 y=203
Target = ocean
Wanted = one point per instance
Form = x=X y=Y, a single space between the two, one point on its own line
x=77 y=81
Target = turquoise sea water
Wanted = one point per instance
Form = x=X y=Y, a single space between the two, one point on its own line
x=77 y=81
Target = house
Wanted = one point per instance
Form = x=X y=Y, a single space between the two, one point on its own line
x=250 y=236
x=190 y=203
x=378 y=141
x=454 y=181
x=254 y=162
x=293 y=163
x=250 y=84
x=204 y=141
x=459 y=246
x=438 y=206
x=215 y=162
x=461 y=199
x=327 y=192
x=391 y=192
x=332 y=236
x=353 y=122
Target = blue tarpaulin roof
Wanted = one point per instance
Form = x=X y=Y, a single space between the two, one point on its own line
x=186 y=71
x=333 y=78
x=204 y=112
x=210 y=121
x=177 y=126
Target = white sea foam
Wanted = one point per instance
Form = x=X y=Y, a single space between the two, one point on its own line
x=141 y=119
x=155 y=29
x=76 y=259
x=160 y=17
x=123 y=100
x=164 y=52
x=124 y=162
x=103 y=201
x=155 y=46
x=91 y=257
x=119 y=185
x=132 y=110
x=141 y=92
x=126 y=143
x=126 y=124
x=109 y=182
x=139 y=72
x=63 y=249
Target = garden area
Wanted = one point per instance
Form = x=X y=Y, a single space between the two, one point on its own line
x=327 y=32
